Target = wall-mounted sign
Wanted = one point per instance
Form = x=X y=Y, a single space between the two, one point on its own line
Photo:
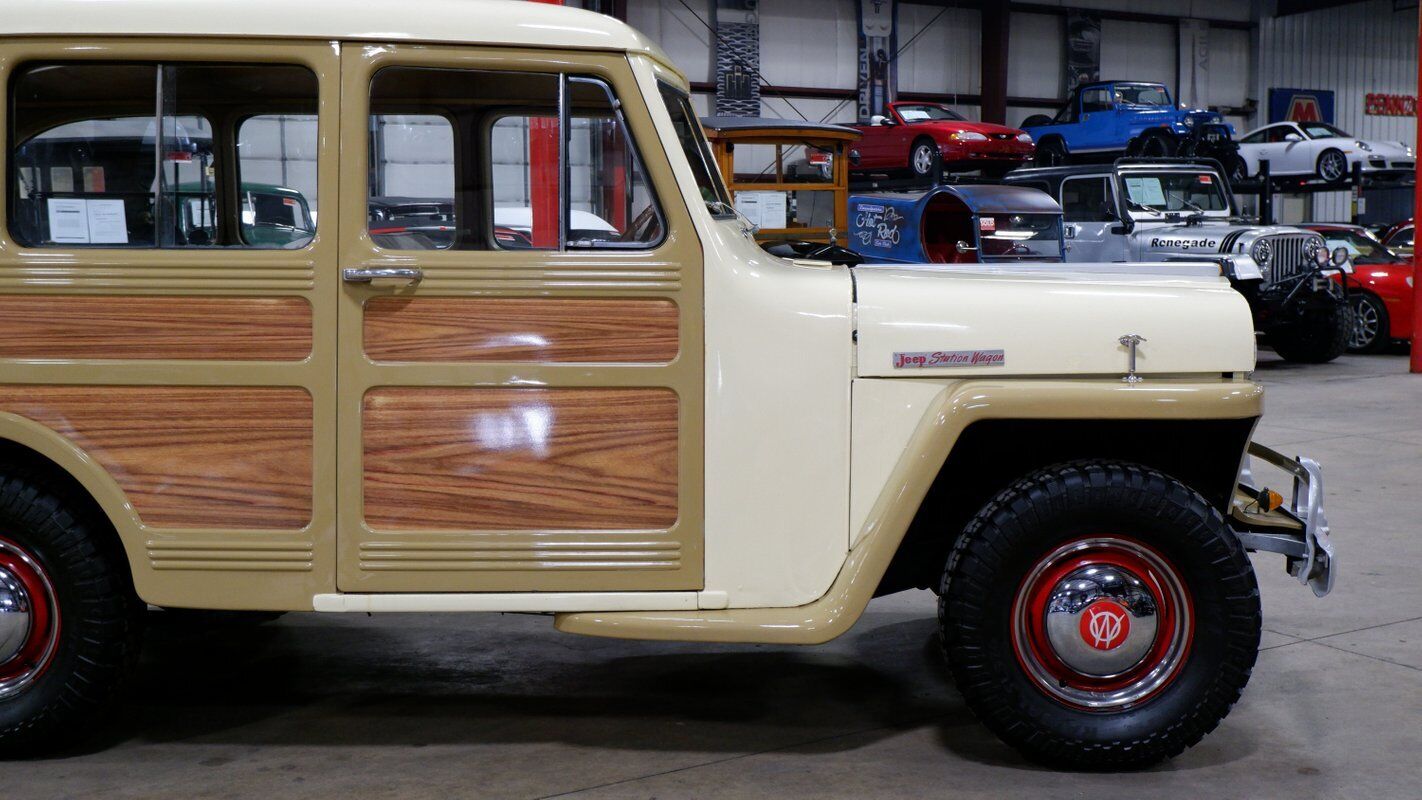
x=1390 y=105
x=878 y=42
x=1083 y=49
x=1300 y=105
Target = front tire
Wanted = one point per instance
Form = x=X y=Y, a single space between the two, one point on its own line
x=1157 y=145
x=1370 y=324
x=1316 y=338
x=1099 y=615
x=921 y=158
x=1050 y=152
x=1332 y=166
x=78 y=633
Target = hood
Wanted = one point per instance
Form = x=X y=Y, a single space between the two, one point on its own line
x=1049 y=319
x=985 y=128
x=1174 y=239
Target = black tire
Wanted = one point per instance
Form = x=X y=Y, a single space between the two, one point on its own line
x=1370 y=324
x=1236 y=170
x=1332 y=166
x=1050 y=152
x=1049 y=510
x=99 y=617
x=922 y=156
x=1036 y=121
x=1155 y=144
x=1317 y=338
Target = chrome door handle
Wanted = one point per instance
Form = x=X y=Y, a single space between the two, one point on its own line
x=373 y=274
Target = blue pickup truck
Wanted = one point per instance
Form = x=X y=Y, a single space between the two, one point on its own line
x=1135 y=118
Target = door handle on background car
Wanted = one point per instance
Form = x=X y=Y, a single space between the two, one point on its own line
x=376 y=275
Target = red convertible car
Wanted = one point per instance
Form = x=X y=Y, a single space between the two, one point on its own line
x=907 y=138
x=1380 y=287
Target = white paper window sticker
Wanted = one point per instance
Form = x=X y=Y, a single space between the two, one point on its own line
x=108 y=222
x=913 y=114
x=1146 y=191
x=80 y=221
x=765 y=210
x=68 y=221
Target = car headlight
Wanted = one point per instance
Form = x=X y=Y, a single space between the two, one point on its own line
x=1364 y=146
x=1024 y=137
x=1312 y=247
x=1189 y=122
x=1262 y=252
x=968 y=136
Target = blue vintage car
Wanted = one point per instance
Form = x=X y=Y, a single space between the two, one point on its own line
x=1109 y=118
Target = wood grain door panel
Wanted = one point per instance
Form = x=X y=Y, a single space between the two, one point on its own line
x=479 y=459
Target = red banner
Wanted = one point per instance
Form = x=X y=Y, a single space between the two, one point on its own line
x=1390 y=105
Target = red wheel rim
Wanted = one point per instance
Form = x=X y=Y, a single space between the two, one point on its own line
x=28 y=596
x=1102 y=623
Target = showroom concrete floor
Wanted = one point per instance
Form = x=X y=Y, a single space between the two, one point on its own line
x=502 y=706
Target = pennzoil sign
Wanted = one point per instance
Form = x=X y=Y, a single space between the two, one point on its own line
x=1389 y=105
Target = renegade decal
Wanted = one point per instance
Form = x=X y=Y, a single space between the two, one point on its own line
x=1184 y=244
x=949 y=358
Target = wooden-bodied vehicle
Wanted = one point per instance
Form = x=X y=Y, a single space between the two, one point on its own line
x=592 y=394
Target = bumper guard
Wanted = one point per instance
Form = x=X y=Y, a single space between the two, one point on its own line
x=1298 y=531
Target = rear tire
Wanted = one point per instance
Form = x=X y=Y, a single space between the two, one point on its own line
x=1316 y=339
x=1174 y=563
x=86 y=614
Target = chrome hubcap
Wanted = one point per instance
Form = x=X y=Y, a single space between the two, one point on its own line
x=1365 y=324
x=29 y=620
x=1101 y=620
x=1102 y=623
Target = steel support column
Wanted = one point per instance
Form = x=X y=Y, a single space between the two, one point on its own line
x=1416 y=211
x=995 y=29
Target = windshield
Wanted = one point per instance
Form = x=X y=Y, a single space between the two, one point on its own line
x=928 y=112
x=1020 y=235
x=1174 y=192
x=698 y=152
x=1142 y=94
x=1362 y=247
x=1319 y=130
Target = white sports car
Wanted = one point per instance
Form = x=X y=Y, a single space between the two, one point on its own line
x=1320 y=150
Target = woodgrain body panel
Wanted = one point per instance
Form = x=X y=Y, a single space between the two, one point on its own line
x=35 y=326
x=520 y=459
x=189 y=457
x=539 y=329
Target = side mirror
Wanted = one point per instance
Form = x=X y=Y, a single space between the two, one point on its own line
x=1127 y=225
x=878 y=119
x=1293 y=137
x=854 y=157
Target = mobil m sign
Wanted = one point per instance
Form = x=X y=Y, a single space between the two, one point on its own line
x=1300 y=105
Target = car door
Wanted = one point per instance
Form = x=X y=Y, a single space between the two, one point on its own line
x=520 y=397
x=1088 y=215
x=1097 y=129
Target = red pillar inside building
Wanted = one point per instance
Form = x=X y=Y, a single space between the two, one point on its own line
x=543 y=183
x=1416 y=212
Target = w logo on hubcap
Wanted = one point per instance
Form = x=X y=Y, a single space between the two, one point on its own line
x=1105 y=625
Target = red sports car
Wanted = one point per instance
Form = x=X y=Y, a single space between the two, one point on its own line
x=907 y=138
x=1380 y=287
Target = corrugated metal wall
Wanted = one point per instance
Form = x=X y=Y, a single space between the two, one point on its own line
x=812 y=43
x=1352 y=50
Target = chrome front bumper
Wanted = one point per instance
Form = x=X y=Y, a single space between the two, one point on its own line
x=1297 y=530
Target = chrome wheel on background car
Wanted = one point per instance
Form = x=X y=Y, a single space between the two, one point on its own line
x=921 y=159
x=29 y=619
x=1332 y=166
x=1102 y=623
x=1370 y=324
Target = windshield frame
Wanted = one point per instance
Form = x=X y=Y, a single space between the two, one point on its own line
x=1141 y=214
x=1336 y=237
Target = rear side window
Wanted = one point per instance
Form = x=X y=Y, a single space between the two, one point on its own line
x=1088 y=199
x=487 y=160
x=162 y=155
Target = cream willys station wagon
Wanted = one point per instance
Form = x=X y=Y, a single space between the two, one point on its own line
x=323 y=307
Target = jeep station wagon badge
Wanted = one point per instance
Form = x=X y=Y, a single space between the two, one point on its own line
x=949 y=358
